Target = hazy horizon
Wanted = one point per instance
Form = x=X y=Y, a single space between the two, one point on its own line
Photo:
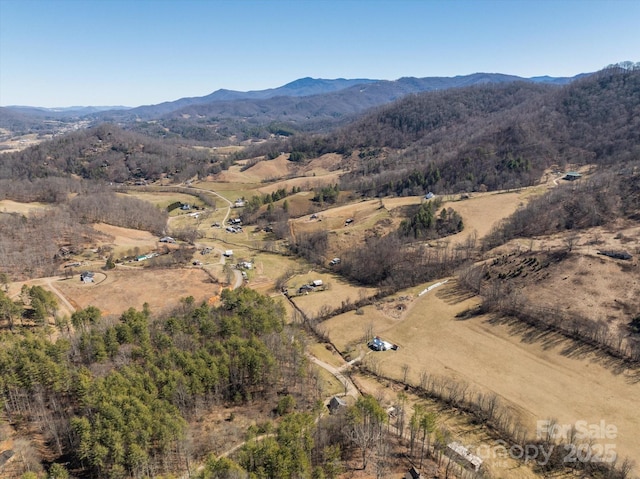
x=88 y=53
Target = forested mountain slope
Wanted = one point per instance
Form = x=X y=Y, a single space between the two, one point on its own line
x=487 y=137
x=109 y=153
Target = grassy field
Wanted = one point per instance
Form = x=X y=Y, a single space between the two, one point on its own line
x=125 y=241
x=540 y=376
x=335 y=291
x=484 y=211
x=164 y=199
x=132 y=287
x=8 y=206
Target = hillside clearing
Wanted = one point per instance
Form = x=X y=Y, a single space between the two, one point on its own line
x=126 y=288
x=540 y=376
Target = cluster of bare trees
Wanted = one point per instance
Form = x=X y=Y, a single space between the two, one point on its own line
x=29 y=244
x=392 y=264
x=109 y=153
x=487 y=409
x=502 y=298
x=128 y=212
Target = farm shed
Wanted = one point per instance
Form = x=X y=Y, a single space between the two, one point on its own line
x=461 y=455
x=336 y=404
x=572 y=176
x=316 y=283
x=228 y=253
x=379 y=344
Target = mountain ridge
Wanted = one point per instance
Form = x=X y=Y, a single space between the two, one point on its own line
x=304 y=86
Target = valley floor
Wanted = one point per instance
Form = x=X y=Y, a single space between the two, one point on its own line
x=540 y=376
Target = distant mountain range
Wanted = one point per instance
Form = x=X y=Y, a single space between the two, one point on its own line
x=309 y=98
x=303 y=100
x=482 y=137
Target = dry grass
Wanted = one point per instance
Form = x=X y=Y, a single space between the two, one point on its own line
x=336 y=292
x=539 y=376
x=164 y=199
x=483 y=211
x=122 y=240
x=325 y=353
x=584 y=283
x=132 y=287
x=9 y=206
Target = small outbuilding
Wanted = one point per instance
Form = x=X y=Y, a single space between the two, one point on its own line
x=167 y=239
x=572 y=176
x=336 y=404
x=461 y=455
x=413 y=473
x=316 y=283
x=228 y=253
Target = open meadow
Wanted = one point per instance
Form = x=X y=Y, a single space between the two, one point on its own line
x=538 y=376
x=117 y=290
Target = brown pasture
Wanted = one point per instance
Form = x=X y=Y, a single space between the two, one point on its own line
x=539 y=376
x=334 y=292
x=122 y=288
x=124 y=239
x=9 y=206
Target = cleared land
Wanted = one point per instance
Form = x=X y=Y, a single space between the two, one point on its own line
x=330 y=296
x=122 y=240
x=123 y=288
x=9 y=206
x=540 y=376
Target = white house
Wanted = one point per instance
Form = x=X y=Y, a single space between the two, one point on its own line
x=87 y=276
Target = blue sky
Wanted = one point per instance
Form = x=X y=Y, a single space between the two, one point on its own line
x=112 y=52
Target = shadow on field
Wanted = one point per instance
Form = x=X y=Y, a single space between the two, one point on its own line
x=568 y=347
x=454 y=294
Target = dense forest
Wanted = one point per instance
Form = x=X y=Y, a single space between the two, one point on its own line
x=115 y=396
